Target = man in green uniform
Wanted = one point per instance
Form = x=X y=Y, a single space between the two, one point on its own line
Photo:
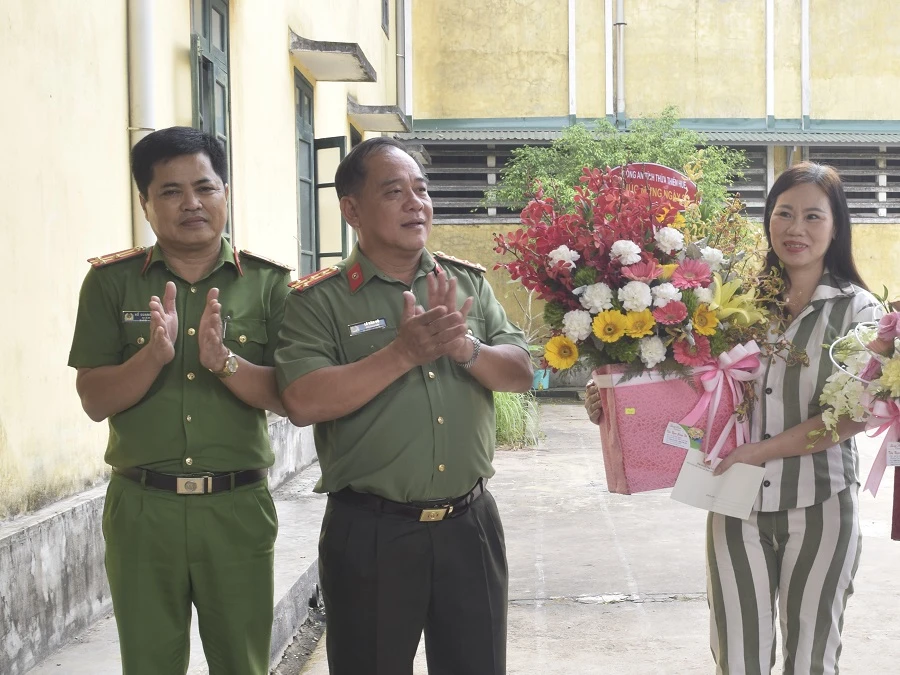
x=174 y=345
x=401 y=398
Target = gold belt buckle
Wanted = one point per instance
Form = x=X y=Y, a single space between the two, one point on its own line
x=193 y=485
x=434 y=515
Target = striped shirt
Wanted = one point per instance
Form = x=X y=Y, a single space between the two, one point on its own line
x=789 y=395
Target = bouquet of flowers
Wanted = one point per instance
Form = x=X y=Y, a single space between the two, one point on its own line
x=866 y=385
x=627 y=280
x=644 y=288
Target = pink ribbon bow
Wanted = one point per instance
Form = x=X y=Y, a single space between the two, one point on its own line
x=885 y=417
x=739 y=364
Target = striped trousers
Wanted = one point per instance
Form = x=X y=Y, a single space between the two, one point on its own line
x=801 y=561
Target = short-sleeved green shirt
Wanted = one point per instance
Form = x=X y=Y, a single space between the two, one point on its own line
x=188 y=421
x=428 y=435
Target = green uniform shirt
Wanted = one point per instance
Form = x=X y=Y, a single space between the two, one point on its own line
x=188 y=421
x=428 y=435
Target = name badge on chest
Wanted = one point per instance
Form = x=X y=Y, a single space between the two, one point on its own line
x=366 y=326
x=135 y=317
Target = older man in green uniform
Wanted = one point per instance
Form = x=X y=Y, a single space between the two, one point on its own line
x=174 y=346
x=401 y=398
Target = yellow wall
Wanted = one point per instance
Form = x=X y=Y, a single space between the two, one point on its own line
x=876 y=249
x=705 y=57
x=854 y=59
x=65 y=190
x=590 y=59
x=505 y=58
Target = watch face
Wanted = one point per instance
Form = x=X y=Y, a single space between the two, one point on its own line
x=231 y=363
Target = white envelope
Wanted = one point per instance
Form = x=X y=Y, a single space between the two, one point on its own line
x=731 y=494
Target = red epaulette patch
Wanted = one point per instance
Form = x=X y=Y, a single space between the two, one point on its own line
x=458 y=261
x=312 y=279
x=247 y=254
x=110 y=258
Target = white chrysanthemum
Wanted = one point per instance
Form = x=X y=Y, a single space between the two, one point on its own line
x=664 y=294
x=564 y=254
x=712 y=257
x=596 y=298
x=704 y=295
x=669 y=240
x=577 y=325
x=652 y=351
x=635 y=296
x=626 y=252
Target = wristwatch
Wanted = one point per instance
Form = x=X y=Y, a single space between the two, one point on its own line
x=476 y=344
x=230 y=367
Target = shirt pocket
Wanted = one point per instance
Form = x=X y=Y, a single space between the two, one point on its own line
x=136 y=334
x=247 y=338
x=360 y=346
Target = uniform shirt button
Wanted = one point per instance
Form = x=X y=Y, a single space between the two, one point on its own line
x=191 y=331
x=441 y=467
x=193 y=289
x=188 y=418
x=767 y=435
x=242 y=339
x=768 y=390
x=188 y=461
x=440 y=420
x=431 y=375
x=140 y=340
x=767 y=483
x=191 y=376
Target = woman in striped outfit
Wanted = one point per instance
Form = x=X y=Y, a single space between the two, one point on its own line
x=797 y=553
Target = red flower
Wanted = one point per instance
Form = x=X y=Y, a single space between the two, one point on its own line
x=696 y=355
x=646 y=271
x=672 y=312
x=692 y=274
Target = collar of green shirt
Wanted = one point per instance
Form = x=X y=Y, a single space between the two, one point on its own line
x=226 y=257
x=358 y=263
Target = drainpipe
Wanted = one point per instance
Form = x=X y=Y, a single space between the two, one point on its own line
x=408 y=57
x=573 y=74
x=608 y=43
x=620 y=61
x=804 y=64
x=141 y=102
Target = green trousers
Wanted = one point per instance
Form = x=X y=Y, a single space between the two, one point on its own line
x=165 y=552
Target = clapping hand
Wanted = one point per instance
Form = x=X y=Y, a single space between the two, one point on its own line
x=163 y=326
x=442 y=293
x=213 y=351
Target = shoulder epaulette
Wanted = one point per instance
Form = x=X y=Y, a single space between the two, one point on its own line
x=458 y=261
x=311 y=280
x=110 y=258
x=247 y=254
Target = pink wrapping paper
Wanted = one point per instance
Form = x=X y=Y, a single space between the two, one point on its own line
x=635 y=458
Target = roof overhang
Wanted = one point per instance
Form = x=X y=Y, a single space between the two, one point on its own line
x=332 y=61
x=786 y=138
x=377 y=117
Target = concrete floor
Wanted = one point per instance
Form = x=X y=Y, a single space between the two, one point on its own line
x=603 y=583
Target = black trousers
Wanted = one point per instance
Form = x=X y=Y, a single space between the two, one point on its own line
x=386 y=578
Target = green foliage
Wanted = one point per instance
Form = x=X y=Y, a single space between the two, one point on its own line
x=557 y=167
x=623 y=350
x=518 y=421
x=553 y=315
x=585 y=276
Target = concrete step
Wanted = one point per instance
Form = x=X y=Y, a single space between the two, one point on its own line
x=96 y=651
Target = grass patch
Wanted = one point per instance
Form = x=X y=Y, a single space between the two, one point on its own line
x=518 y=422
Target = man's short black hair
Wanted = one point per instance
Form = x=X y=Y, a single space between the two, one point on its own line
x=351 y=172
x=170 y=143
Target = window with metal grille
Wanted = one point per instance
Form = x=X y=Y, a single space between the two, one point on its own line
x=871 y=177
x=460 y=173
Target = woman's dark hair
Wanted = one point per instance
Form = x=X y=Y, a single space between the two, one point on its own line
x=351 y=172
x=839 y=256
x=170 y=143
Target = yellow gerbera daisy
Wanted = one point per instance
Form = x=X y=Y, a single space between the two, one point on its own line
x=610 y=325
x=561 y=352
x=668 y=271
x=705 y=320
x=639 y=323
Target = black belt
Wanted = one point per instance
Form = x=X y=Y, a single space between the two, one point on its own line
x=426 y=512
x=197 y=484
